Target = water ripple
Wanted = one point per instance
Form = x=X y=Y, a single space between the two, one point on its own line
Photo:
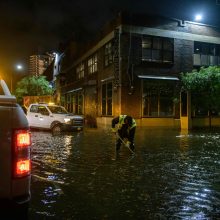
x=171 y=176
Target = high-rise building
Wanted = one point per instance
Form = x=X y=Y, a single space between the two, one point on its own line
x=39 y=63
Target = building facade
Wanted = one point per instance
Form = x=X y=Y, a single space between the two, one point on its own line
x=133 y=68
x=39 y=63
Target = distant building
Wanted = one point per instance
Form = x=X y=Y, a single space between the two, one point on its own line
x=39 y=63
x=133 y=68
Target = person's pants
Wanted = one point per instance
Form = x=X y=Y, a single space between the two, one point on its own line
x=129 y=135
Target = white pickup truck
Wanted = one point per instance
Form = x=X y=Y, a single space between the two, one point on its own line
x=15 y=160
x=53 y=117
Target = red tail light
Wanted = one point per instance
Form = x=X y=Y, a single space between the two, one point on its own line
x=23 y=167
x=21 y=152
x=23 y=139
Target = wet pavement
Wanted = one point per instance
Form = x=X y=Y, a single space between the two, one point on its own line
x=172 y=175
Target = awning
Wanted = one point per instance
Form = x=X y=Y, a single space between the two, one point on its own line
x=74 y=90
x=106 y=79
x=158 y=77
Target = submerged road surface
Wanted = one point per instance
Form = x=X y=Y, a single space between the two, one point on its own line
x=172 y=175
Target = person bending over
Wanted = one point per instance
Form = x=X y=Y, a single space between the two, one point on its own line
x=126 y=130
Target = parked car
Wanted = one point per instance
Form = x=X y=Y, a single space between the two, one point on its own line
x=53 y=117
x=15 y=161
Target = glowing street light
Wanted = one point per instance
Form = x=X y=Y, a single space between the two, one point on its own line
x=198 y=17
x=19 y=67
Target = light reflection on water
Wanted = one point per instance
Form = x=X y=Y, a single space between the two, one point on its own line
x=173 y=174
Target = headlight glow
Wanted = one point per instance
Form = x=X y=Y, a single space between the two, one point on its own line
x=67 y=120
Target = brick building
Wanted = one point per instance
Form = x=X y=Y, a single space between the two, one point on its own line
x=133 y=68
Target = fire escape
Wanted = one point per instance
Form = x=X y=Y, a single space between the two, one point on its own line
x=116 y=59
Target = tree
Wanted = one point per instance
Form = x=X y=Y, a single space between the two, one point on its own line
x=32 y=86
x=204 y=86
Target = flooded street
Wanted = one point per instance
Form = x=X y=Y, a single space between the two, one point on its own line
x=172 y=175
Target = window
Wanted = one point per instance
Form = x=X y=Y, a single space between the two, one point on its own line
x=108 y=56
x=146 y=48
x=201 y=108
x=156 y=52
x=157 y=99
x=39 y=109
x=206 y=54
x=43 y=110
x=92 y=64
x=80 y=71
x=107 y=99
x=157 y=49
x=167 y=50
x=78 y=103
x=57 y=109
x=74 y=102
x=68 y=104
x=34 y=109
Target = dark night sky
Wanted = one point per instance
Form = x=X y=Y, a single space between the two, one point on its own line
x=36 y=26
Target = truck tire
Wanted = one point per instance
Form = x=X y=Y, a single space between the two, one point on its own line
x=56 y=128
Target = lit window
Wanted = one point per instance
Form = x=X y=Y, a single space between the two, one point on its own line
x=78 y=103
x=80 y=71
x=108 y=56
x=92 y=64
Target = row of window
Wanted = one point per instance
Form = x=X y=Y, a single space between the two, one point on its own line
x=73 y=102
x=206 y=54
x=157 y=98
x=160 y=49
x=205 y=60
x=206 y=49
x=157 y=101
x=92 y=62
x=156 y=49
x=92 y=67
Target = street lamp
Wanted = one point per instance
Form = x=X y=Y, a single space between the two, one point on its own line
x=19 y=67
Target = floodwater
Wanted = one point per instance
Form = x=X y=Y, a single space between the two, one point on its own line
x=172 y=175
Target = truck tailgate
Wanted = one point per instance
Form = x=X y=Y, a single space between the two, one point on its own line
x=6 y=115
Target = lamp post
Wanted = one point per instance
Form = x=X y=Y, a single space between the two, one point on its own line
x=18 y=67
